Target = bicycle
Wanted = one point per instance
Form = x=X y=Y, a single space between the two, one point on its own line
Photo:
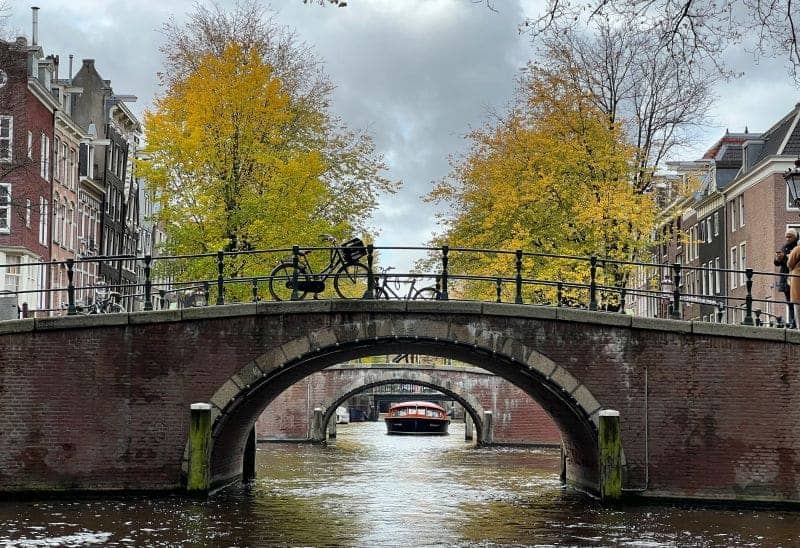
x=349 y=275
x=104 y=302
x=384 y=291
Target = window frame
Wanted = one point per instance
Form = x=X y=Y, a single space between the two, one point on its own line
x=5 y=208
x=10 y=138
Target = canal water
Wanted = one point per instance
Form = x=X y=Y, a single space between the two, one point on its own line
x=369 y=489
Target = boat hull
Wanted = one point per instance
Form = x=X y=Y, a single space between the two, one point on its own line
x=416 y=426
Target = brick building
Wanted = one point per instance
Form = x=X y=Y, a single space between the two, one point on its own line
x=27 y=111
x=735 y=220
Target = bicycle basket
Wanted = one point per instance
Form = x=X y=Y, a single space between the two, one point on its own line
x=353 y=250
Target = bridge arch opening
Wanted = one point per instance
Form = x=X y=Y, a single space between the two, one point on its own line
x=470 y=404
x=241 y=399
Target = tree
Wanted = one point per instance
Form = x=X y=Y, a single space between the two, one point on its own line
x=223 y=162
x=689 y=30
x=626 y=75
x=353 y=170
x=552 y=176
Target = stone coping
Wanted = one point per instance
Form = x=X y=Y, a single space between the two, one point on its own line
x=535 y=312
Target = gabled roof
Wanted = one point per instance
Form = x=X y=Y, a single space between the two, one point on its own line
x=783 y=138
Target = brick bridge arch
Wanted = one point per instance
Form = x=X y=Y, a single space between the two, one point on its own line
x=244 y=396
x=372 y=379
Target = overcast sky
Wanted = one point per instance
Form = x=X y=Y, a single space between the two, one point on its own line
x=416 y=73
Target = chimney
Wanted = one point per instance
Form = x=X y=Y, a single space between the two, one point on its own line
x=35 y=34
x=70 y=67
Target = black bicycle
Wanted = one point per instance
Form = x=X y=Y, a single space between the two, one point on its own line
x=383 y=289
x=105 y=301
x=349 y=275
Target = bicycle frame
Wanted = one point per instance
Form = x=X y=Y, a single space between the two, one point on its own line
x=382 y=284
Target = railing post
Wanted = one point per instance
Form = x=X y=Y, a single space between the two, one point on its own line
x=71 y=310
x=498 y=288
x=445 y=260
x=757 y=312
x=675 y=311
x=206 y=292
x=370 y=294
x=162 y=298
x=622 y=293
x=295 y=270
x=518 y=288
x=220 y=277
x=148 y=284
x=255 y=290
x=592 y=283
x=559 y=293
x=748 y=300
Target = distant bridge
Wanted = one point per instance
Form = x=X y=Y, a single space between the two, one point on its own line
x=102 y=402
x=516 y=418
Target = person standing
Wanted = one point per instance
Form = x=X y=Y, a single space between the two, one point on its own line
x=793 y=262
x=781 y=260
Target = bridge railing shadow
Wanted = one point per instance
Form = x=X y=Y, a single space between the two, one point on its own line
x=351 y=271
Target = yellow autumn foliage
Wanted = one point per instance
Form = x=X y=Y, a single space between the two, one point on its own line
x=550 y=177
x=235 y=163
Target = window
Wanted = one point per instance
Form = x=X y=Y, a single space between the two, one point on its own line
x=741 y=211
x=66 y=174
x=734 y=266
x=696 y=250
x=70 y=226
x=6 y=138
x=72 y=168
x=708 y=230
x=717 y=276
x=5 y=208
x=703 y=287
x=56 y=163
x=57 y=220
x=732 y=208
x=64 y=223
x=716 y=223
x=742 y=262
x=28 y=207
x=12 y=269
x=44 y=214
x=44 y=157
x=30 y=146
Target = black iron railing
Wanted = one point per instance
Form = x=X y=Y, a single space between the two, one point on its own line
x=288 y=274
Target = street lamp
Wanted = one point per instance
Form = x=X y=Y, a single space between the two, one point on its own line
x=792 y=178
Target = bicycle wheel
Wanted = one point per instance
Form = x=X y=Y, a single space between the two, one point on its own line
x=426 y=294
x=382 y=294
x=113 y=308
x=350 y=282
x=280 y=282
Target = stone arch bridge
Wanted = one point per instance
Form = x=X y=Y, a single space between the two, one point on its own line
x=102 y=402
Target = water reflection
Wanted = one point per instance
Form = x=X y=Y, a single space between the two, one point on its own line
x=370 y=489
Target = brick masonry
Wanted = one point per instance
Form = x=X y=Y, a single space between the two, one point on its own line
x=517 y=419
x=103 y=402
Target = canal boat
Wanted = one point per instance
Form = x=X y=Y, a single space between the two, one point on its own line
x=417 y=417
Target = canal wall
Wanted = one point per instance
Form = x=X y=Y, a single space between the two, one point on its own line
x=516 y=418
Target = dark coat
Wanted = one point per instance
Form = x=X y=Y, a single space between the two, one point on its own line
x=783 y=282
